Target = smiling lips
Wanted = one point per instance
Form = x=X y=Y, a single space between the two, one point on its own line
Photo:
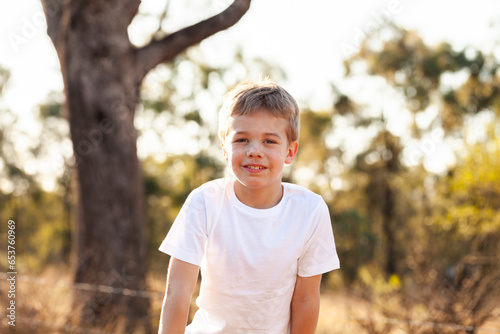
x=254 y=168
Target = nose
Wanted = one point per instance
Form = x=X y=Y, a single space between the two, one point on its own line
x=254 y=150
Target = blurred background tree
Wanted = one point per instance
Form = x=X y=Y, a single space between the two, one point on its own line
x=46 y=233
x=447 y=223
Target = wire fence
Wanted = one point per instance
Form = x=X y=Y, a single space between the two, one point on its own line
x=159 y=295
x=86 y=286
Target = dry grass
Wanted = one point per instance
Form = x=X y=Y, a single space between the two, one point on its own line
x=44 y=304
x=338 y=311
x=44 y=307
x=40 y=308
x=344 y=312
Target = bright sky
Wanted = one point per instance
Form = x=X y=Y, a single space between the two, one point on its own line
x=307 y=38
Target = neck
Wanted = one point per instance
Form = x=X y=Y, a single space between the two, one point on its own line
x=258 y=199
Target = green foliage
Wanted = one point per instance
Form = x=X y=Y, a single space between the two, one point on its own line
x=313 y=151
x=344 y=105
x=53 y=109
x=416 y=70
x=43 y=222
x=473 y=190
x=355 y=241
x=43 y=229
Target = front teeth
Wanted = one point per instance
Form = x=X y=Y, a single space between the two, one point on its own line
x=255 y=167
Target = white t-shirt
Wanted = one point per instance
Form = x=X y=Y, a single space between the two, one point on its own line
x=250 y=258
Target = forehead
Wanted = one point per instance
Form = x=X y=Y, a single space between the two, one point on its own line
x=260 y=122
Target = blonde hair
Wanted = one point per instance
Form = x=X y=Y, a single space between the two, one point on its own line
x=248 y=98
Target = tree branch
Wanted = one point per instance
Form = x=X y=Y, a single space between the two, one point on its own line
x=167 y=48
x=58 y=14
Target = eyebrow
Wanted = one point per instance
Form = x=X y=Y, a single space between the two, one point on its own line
x=274 y=134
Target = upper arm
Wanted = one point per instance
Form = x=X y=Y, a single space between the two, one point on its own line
x=181 y=279
x=307 y=289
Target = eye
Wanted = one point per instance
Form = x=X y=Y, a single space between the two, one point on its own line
x=240 y=140
x=270 y=141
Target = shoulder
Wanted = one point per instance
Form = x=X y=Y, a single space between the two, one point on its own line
x=303 y=196
x=210 y=198
x=209 y=195
x=212 y=188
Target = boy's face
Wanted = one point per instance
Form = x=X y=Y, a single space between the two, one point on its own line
x=256 y=147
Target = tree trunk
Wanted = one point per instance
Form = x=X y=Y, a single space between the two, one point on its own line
x=110 y=233
x=388 y=207
x=388 y=229
x=102 y=74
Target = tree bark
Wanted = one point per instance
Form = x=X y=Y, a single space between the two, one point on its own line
x=102 y=75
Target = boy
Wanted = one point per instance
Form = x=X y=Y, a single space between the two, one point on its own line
x=262 y=245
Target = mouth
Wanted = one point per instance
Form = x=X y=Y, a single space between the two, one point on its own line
x=254 y=168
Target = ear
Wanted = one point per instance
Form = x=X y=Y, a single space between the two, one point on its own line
x=292 y=152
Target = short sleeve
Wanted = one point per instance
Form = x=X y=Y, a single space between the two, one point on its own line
x=187 y=236
x=319 y=254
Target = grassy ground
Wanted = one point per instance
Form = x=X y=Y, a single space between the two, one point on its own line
x=44 y=304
